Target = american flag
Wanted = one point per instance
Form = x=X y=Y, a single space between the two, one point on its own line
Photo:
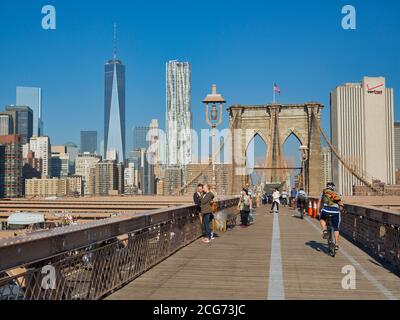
x=276 y=89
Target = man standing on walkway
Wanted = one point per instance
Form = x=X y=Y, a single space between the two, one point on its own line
x=197 y=197
x=206 y=212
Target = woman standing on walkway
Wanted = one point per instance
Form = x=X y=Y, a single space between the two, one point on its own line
x=244 y=206
x=206 y=212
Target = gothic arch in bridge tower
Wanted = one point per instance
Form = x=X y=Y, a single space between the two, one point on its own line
x=275 y=123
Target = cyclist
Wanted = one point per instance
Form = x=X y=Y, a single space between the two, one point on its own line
x=331 y=203
x=301 y=200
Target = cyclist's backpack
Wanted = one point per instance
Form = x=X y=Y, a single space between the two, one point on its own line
x=301 y=196
x=330 y=198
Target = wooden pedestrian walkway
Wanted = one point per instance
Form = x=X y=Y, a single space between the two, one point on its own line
x=279 y=257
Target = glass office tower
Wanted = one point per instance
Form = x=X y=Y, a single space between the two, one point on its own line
x=88 y=142
x=114 y=108
x=32 y=97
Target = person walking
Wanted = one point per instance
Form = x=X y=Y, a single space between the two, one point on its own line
x=244 y=207
x=275 y=200
x=293 y=195
x=285 y=196
x=206 y=212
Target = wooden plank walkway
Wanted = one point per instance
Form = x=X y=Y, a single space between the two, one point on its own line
x=237 y=266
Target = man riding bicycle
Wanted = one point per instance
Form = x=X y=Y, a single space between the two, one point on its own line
x=301 y=200
x=331 y=204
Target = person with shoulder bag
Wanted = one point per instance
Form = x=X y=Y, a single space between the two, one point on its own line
x=244 y=206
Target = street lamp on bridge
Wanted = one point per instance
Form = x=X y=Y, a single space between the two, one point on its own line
x=304 y=158
x=214 y=119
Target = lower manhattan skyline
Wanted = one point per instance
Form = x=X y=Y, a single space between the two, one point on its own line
x=265 y=47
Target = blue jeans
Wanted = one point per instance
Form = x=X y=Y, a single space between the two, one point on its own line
x=206 y=225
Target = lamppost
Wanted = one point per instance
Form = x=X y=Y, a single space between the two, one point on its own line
x=214 y=119
x=304 y=158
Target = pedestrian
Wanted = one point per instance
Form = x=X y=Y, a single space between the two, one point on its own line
x=285 y=196
x=197 y=197
x=206 y=212
x=293 y=196
x=244 y=206
x=275 y=200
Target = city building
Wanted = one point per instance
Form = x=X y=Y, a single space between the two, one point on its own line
x=42 y=149
x=397 y=144
x=114 y=107
x=362 y=132
x=75 y=186
x=105 y=178
x=83 y=164
x=178 y=114
x=155 y=147
x=140 y=138
x=131 y=179
x=54 y=187
x=11 y=167
x=6 y=125
x=326 y=165
x=32 y=97
x=21 y=121
x=88 y=142
x=73 y=151
x=31 y=166
x=146 y=174
x=59 y=162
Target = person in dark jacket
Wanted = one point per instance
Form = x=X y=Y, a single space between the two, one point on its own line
x=206 y=212
x=197 y=197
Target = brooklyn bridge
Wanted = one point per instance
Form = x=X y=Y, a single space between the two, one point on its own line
x=140 y=247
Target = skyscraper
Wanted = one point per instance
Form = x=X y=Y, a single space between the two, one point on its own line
x=22 y=119
x=178 y=114
x=362 y=132
x=41 y=147
x=139 y=138
x=10 y=166
x=5 y=124
x=32 y=97
x=397 y=144
x=114 y=106
x=88 y=142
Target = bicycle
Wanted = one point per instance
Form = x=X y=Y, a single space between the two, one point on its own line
x=302 y=208
x=331 y=236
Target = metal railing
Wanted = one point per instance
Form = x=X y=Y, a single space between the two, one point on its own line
x=377 y=231
x=90 y=261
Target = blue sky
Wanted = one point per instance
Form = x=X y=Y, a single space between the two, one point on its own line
x=243 y=46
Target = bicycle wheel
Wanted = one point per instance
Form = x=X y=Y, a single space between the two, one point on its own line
x=331 y=243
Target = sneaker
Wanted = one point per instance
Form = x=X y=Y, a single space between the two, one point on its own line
x=325 y=234
x=337 y=247
x=206 y=240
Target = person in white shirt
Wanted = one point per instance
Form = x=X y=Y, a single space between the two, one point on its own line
x=275 y=200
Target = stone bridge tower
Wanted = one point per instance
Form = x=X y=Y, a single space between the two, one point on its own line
x=275 y=124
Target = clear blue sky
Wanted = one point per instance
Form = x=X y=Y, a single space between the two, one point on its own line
x=243 y=46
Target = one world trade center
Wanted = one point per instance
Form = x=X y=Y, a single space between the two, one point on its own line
x=114 y=108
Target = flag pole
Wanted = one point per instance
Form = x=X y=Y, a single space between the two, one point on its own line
x=273 y=93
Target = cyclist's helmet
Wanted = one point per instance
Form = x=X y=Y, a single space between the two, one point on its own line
x=330 y=185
